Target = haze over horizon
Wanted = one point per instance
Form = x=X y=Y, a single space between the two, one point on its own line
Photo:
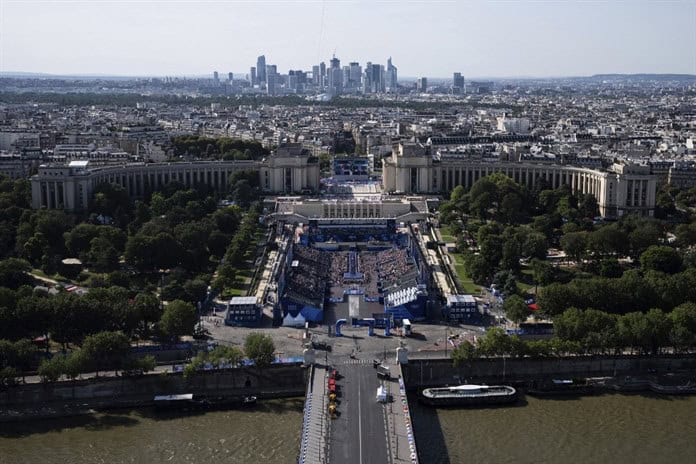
x=434 y=39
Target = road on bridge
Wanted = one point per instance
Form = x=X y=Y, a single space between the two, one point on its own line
x=358 y=435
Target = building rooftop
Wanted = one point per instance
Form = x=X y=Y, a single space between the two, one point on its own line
x=78 y=164
x=243 y=300
x=460 y=299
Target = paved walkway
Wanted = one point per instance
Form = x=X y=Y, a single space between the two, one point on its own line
x=315 y=424
x=401 y=439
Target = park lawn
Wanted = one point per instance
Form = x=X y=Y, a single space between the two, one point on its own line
x=465 y=281
x=246 y=271
x=237 y=290
x=526 y=280
x=56 y=276
x=446 y=235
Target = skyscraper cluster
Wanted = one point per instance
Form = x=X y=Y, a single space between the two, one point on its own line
x=334 y=79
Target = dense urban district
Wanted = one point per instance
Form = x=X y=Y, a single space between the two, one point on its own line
x=517 y=218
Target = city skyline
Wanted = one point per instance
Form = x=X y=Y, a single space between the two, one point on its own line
x=502 y=39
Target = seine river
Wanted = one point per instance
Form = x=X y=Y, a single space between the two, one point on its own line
x=612 y=429
x=602 y=429
x=269 y=434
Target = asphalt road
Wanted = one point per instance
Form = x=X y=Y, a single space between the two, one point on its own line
x=358 y=435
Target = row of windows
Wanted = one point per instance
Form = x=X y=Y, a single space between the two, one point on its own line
x=463 y=310
x=242 y=318
x=236 y=312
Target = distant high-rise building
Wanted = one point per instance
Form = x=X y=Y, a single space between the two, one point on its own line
x=230 y=77
x=292 y=81
x=457 y=83
x=422 y=84
x=216 y=78
x=322 y=74
x=297 y=79
x=367 y=78
x=355 y=75
x=316 y=75
x=261 y=68
x=374 y=78
x=392 y=78
x=252 y=76
x=335 y=76
x=271 y=73
x=345 y=77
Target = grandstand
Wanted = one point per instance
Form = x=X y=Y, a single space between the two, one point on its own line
x=326 y=262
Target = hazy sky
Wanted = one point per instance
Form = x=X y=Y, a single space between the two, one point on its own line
x=429 y=38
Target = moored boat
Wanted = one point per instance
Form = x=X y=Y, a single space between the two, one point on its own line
x=561 y=387
x=469 y=395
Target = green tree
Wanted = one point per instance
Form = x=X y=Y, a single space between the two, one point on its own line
x=259 y=348
x=50 y=370
x=660 y=328
x=495 y=343
x=149 y=308
x=478 y=268
x=588 y=206
x=463 y=353
x=610 y=268
x=26 y=353
x=516 y=309
x=178 y=319
x=593 y=329
x=105 y=350
x=608 y=240
x=226 y=355
x=506 y=282
x=683 y=322
x=139 y=252
x=555 y=298
x=634 y=331
x=661 y=258
x=575 y=245
x=102 y=256
x=8 y=354
x=482 y=197
x=109 y=199
x=686 y=234
x=13 y=273
x=227 y=219
x=75 y=364
x=542 y=272
x=35 y=248
x=8 y=376
x=243 y=193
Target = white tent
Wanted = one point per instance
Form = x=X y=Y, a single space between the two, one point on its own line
x=298 y=321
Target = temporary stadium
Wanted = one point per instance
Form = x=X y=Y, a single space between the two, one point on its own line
x=365 y=266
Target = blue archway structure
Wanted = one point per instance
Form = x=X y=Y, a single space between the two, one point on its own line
x=340 y=323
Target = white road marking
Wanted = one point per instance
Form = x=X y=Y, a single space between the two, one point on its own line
x=359 y=427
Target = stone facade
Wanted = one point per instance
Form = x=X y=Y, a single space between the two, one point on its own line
x=70 y=187
x=619 y=190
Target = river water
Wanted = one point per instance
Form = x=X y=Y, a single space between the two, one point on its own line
x=613 y=429
x=268 y=433
x=617 y=429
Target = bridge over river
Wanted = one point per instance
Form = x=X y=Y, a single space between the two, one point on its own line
x=363 y=430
